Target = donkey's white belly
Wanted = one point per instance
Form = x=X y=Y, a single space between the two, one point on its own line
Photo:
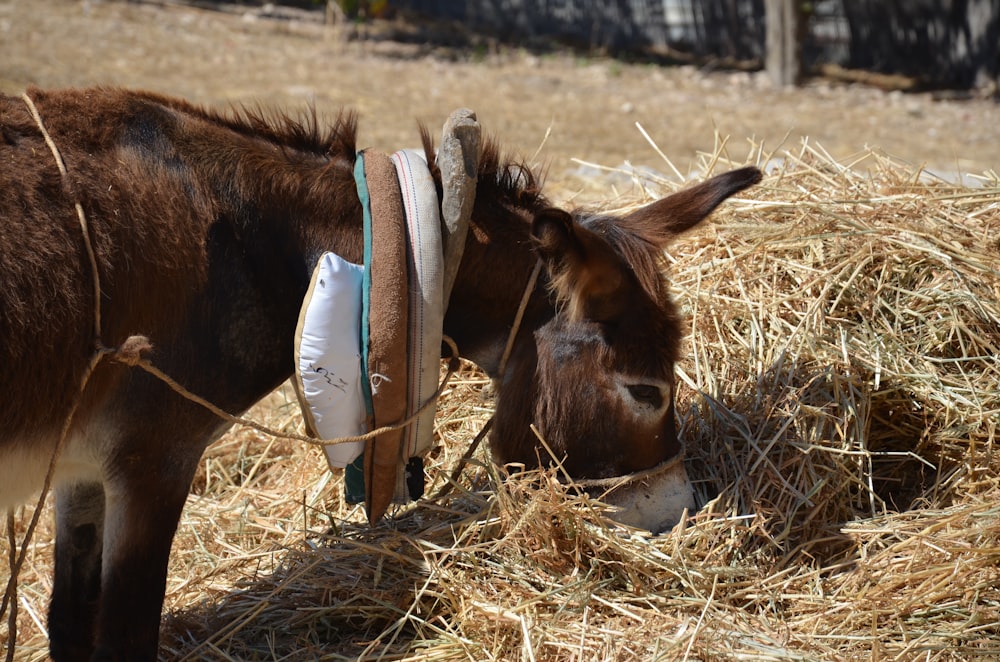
x=23 y=466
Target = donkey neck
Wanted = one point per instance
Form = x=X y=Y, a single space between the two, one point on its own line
x=275 y=210
x=285 y=209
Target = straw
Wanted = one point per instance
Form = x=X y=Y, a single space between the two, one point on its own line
x=840 y=402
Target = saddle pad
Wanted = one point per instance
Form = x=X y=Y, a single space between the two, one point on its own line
x=388 y=301
x=328 y=357
x=426 y=301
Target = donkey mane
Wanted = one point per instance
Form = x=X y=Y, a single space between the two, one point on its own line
x=509 y=179
x=302 y=131
x=501 y=176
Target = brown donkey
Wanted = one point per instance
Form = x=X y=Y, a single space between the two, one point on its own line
x=206 y=228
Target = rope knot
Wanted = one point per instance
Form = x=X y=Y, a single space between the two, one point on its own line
x=130 y=352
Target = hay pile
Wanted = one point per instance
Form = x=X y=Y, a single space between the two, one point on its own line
x=840 y=407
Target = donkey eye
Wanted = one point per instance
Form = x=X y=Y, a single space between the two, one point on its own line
x=646 y=394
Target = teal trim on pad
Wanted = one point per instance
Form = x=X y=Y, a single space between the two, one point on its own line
x=366 y=283
x=354 y=473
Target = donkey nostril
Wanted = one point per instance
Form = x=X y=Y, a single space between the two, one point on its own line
x=646 y=394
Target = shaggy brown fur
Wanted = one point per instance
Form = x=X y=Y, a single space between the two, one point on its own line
x=206 y=227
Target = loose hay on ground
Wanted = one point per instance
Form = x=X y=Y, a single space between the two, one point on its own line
x=840 y=406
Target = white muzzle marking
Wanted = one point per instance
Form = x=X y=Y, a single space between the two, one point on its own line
x=654 y=499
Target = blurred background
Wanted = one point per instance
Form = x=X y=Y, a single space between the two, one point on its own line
x=927 y=43
x=566 y=79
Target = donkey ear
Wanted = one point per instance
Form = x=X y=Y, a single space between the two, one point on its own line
x=661 y=221
x=585 y=272
x=553 y=236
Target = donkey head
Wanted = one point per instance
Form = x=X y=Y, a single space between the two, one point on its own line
x=601 y=368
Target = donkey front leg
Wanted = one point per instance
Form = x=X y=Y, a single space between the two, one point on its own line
x=144 y=502
x=77 y=586
x=113 y=545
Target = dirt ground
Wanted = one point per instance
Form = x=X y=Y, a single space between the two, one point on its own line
x=589 y=105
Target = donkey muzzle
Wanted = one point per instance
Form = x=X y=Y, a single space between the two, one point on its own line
x=654 y=499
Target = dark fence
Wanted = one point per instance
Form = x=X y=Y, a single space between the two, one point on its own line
x=949 y=43
x=617 y=25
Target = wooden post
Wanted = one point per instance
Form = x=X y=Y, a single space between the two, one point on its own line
x=785 y=21
x=334 y=14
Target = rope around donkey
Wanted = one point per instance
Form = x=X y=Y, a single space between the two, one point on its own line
x=138 y=344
